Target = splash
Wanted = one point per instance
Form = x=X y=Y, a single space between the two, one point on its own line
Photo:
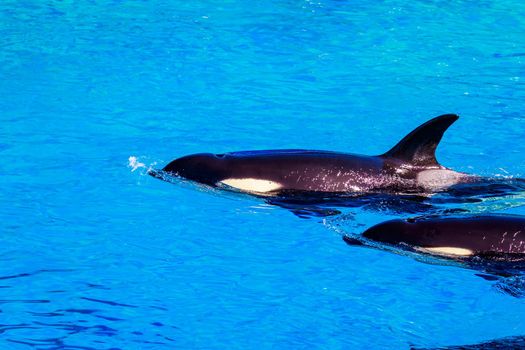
x=513 y=285
x=135 y=164
x=144 y=166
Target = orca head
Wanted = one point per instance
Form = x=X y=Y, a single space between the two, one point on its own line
x=419 y=237
x=205 y=168
x=390 y=232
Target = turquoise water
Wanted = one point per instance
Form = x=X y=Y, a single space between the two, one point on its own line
x=98 y=255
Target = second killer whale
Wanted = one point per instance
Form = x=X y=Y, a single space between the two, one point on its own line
x=491 y=237
x=493 y=245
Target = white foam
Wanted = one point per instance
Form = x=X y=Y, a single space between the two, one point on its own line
x=134 y=163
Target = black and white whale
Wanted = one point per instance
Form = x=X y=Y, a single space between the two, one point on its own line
x=492 y=237
x=409 y=167
x=493 y=245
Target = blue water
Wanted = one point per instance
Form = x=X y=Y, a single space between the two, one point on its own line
x=95 y=254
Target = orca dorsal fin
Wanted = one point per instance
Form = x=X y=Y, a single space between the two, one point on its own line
x=419 y=147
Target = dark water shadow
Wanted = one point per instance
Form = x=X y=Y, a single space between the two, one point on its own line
x=470 y=198
x=508 y=343
x=506 y=271
x=487 y=194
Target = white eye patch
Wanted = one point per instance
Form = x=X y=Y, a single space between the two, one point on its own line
x=448 y=251
x=253 y=185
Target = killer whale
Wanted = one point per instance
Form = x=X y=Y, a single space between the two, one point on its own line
x=487 y=236
x=493 y=243
x=410 y=166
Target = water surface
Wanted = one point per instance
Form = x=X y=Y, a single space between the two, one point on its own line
x=97 y=256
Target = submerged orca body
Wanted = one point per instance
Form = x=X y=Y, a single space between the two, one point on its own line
x=507 y=343
x=410 y=166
